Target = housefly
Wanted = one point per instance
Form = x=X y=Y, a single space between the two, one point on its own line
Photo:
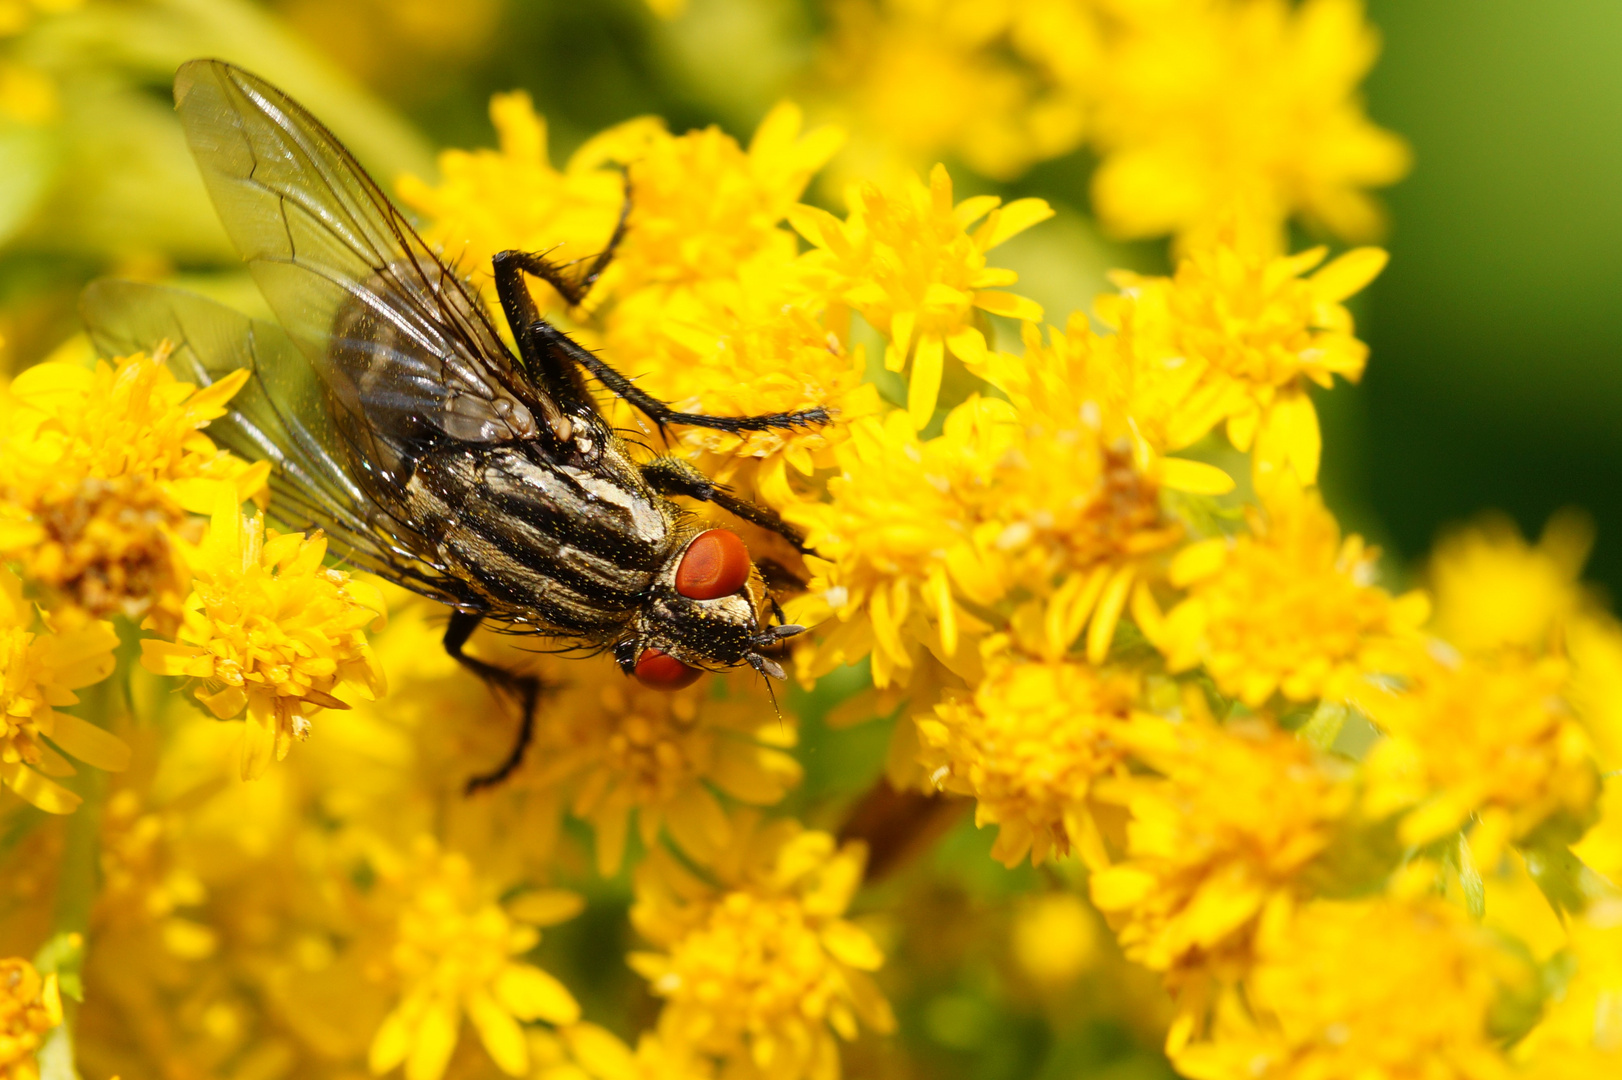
x=397 y=420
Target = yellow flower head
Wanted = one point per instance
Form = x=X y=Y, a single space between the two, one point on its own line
x=1363 y=989
x=616 y=749
x=1029 y=746
x=899 y=528
x=452 y=952
x=39 y=670
x=269 y=629
x=1491 y=738
x=1584 y=1024
x=1234 y=337
x=1210 y=106
x=102 y=466
x=29 y=1008
x=144 y=883
x=922 y=79
x=1215 y=841
x=702 y=206
x=906 y=261
x=757 y=963
x=1289 y=608
x=1493 y=589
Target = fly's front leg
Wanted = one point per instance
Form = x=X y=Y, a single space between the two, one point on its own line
x=572 y=287
x=526 y=687
x=560 y=344
x=672 y=476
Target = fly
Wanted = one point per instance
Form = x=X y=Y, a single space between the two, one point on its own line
x=397 y=420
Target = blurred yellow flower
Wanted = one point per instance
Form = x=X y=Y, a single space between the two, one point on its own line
x=1491 y=740
x=1233 y=338
x=102 y=467
x=29 y=1008
x=1493 y=589
x=39 y=672
x=906 y=261
x=1363 y=989
x=918 y=79
x=270 y=630
x=1582 y=1029
x=756 y=962
x=1210 y=107
x=1216 y=840
x=1029 y=747
x=453 y=953
x=1055 y=938
x=492 y=200
x=1289 y=608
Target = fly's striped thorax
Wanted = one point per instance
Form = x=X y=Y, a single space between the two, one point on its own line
x=575 y=549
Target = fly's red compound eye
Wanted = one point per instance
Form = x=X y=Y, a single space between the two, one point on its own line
x=716 y=564
x=658 y=670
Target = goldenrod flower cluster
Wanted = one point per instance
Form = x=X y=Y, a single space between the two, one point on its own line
x=1077 y=560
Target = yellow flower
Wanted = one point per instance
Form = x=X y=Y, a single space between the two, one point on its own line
x=1370 y=988
x=1055 y=938
x=1493 y=589
x=38 y=673
x=1492 y=739
x=143 y=882
x=1205 y=107
x=756 y=962
x=1216 y=842
x=29 y=1008
x=493 y=200
x=702 y=206
x=899 y=528
x=906 y=261
x=1234 y=337
x=1583 y=1025
x=1029 y=746
x=454 y=953
x=918 y=80
x=1288 y=609
x=269 y=629
x=616 y=749
x=102 y=467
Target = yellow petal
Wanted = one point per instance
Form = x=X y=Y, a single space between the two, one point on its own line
x=434 y=1042
x=600 y=1052
x=1014 y=219
x=546 y=907
x=1010 y=305
x=48 y=795
x=531 y=994
x=89 y=743
x=1348 y=274
x=850 y=944
x=1198 y=561
x=503 y=1039
x=1102 y=630
x=924 y=389
x=390 y=1044
x=1194 y=477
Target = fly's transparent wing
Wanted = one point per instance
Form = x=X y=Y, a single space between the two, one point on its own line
x=280 y=415
x=404 y=348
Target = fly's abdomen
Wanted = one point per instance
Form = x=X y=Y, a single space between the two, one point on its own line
x=540 y=542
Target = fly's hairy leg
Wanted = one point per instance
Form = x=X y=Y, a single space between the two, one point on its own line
x=660 y=413
x=672 y=476
x=548 y=351
x=574 y=289
x=527 y=688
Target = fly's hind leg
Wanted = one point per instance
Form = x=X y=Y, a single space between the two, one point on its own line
x=672 y=476
x=526 y=687
x=558 y=343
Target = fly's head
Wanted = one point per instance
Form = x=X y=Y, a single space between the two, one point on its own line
x=700 y=616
